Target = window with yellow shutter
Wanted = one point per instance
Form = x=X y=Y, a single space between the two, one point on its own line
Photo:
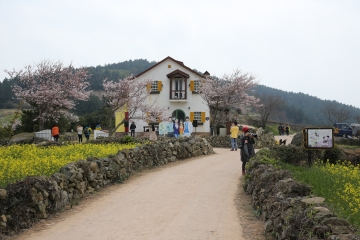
x=203 y=117
x=191 y=85
x=199 y=116
x=154 y=87
x=195 y=86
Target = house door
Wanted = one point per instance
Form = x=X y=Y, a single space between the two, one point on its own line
x=178 y=114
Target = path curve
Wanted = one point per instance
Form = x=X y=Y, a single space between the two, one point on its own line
x=193 y=199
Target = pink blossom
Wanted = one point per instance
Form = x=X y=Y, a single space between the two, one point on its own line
x=51 y=88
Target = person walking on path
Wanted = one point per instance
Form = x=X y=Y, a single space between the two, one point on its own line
x=87 y=132
x=234 y=132
x=247 y=150
x=132 y=129
x=287 y=130
x=280 y=129
x=79 y=130
x=55 y=132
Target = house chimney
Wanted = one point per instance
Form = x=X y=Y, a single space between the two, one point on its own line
x=206 y=74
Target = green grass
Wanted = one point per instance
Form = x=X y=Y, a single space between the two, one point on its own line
x=349 y=147
x=7 y=112
x=6 y=116
x=274 y=129
x=339 y=184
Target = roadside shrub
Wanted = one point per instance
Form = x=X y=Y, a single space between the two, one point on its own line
x=127 y=139
x=333 y=155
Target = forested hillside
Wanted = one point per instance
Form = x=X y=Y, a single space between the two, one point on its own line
x=117 y=71
x=298 y=108
x=302 y=108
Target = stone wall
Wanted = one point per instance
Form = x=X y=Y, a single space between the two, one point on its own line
x=34 y=198
x=288 y=209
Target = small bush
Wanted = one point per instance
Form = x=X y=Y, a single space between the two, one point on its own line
x=127 y=139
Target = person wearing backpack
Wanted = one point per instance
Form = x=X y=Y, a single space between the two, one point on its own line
x=87 y=131
x=247 y=150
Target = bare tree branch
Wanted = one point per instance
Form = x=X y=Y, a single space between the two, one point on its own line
x=334 y=114
x=269 y=103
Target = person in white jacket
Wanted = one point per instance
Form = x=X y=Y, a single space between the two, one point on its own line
x=188 y=127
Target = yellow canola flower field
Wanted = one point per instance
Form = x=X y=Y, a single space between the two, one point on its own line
x=19 y=161
x=344 y=181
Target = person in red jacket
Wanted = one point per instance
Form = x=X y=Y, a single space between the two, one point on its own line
x=55 y=132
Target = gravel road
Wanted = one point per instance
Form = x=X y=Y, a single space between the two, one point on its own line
x=190 y=199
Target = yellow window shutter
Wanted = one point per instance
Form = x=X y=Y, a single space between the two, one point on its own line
x=158 y=119
x=148 y=87
x=160 y=86
x=203 y=116
x=192 y=85
x=191 y=116
x=147 y=117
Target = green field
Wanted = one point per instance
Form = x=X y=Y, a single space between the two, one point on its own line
x=6 y=116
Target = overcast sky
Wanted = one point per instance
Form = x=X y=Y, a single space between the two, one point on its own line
x=309 y=46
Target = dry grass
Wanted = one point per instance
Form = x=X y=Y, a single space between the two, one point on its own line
x=7 y=112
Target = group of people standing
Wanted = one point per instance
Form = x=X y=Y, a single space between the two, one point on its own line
x=80 y=130
x=283 y=130
x=178 y=129
x=246 y=144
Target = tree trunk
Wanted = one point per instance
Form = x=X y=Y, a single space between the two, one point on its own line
x=41 y=124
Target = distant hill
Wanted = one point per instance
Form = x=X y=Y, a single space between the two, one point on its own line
x=117 y=71
x=300 y=108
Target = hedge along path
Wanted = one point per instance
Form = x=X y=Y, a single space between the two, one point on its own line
x=188 y=199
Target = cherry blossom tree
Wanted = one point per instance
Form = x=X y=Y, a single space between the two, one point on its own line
x=51 y=88
x=232 y=91
x=131 y=95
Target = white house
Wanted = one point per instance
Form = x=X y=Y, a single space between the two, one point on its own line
x=176 y=87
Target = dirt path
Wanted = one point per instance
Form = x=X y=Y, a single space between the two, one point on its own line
x=198 y=198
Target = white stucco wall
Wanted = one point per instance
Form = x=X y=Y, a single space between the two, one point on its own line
x=193 y=103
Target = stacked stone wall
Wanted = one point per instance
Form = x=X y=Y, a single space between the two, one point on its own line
x=25 y=202
x=288 y=208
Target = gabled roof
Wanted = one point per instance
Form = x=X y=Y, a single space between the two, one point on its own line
x=177 y=72
x=170 y=58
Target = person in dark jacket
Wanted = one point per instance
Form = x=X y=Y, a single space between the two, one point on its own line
x=247 y=150
x=132 y=129
x=87 y=132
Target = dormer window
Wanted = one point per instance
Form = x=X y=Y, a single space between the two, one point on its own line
x=178 y=83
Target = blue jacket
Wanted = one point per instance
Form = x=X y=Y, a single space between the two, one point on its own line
x=176 y=130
